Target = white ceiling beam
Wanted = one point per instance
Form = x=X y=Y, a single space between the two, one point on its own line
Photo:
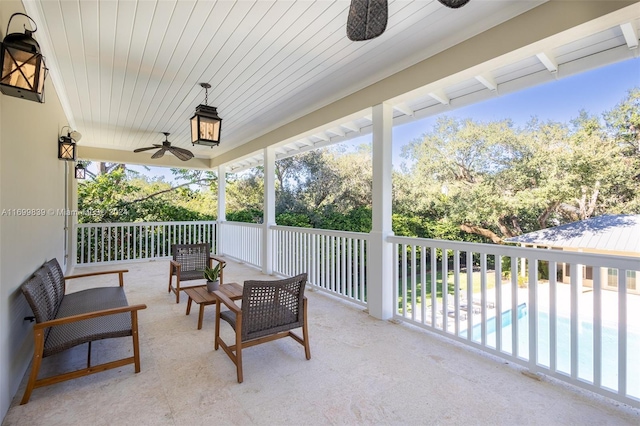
x=630 y=35
x=440 y=96
x=487 y=81
x=548 y=60
x=306 y=141
x=322 y=136
x=351 y=126
x=368 y=117
x=336 y=131
x=281 y=150
x=404 y=108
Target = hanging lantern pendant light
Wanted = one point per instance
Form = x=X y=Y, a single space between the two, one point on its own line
x=22 y=64
x=206 y=124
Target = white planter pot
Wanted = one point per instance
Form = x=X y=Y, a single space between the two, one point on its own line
x=213 y=285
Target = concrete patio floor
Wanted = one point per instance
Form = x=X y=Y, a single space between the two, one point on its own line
x=362 y=371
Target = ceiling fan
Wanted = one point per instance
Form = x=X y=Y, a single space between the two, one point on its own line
x=368 y=18
x=181 y=153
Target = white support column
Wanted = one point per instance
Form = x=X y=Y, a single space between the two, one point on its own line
x=269 y=210
x=71 y=220
x=380 y=254
x=222 y=205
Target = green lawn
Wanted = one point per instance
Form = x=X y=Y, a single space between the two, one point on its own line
x=476 y=277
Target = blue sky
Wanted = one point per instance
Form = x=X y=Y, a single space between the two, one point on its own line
x=595 y=91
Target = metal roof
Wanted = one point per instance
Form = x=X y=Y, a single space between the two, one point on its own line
x=619 y=233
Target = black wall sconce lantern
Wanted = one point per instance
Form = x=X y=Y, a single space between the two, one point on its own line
x=22 y=64
x=81 y=171
x=205 y=124
x=67 y=146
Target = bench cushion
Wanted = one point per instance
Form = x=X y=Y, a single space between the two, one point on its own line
x=66 y=336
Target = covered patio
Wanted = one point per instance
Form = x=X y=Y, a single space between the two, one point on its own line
x=121 y=72
x=362 y=371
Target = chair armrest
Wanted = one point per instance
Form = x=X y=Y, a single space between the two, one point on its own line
x=228 y=302
x=91 y=274
x=175 y=266
x=89 y=315
x=217 y=259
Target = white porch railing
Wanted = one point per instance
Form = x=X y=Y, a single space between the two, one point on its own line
x=241 y=241
x=335 y=261
x=529 y=306
x=121 y=242
x=587 y=336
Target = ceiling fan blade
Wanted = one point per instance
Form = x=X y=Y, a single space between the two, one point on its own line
x=454 y=4
x=144 y=149
x=181 y=153
x=367 y=19
x=159 y=154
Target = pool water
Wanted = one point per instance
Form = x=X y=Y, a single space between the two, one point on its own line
x=609 y=367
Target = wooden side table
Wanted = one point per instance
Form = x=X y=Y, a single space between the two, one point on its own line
x=202 y=297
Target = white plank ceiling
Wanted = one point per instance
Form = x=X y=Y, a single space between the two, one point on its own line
x=127 y=70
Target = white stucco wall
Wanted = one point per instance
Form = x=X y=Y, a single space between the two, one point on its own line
x=31 y=177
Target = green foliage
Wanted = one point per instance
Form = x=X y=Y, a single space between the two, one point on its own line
x=213 y=274
x=251 y=215
x=293 y=219
x=466 y=180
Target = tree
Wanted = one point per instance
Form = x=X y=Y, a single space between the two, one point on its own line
x=623 y=122
x=496 y=181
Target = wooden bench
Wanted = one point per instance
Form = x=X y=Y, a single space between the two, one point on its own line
x=67 y=320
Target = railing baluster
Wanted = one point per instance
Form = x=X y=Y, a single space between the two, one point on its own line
x=533 y=314
x=82 y=246
x=445 y=289
x=514 y=306
x=456 y=291
x=363 y=251
x=483 y=298
x=498 y=294
x=413 y=282
x=403 y=289
x=395 y=282
x=575 y=325
x=434 y=286
x=597 y=327
x=469 y=295
x=349 y=268
x=343 y=270
x=423 y=283
x=622 y=332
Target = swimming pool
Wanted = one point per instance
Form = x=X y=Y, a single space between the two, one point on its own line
x=609 y=356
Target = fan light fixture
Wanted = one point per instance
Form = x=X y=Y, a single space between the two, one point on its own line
x=368 y=18
x=22 y=65
x=205 y=124
x=67 y=145
x=454 y=4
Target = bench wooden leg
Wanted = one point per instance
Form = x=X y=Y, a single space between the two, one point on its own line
x=136 y=343
x=35 y=365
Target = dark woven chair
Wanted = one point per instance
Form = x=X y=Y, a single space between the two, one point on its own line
x=270 y=310
x=188 y=264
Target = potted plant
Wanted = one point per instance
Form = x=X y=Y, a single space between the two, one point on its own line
x=212 y=275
